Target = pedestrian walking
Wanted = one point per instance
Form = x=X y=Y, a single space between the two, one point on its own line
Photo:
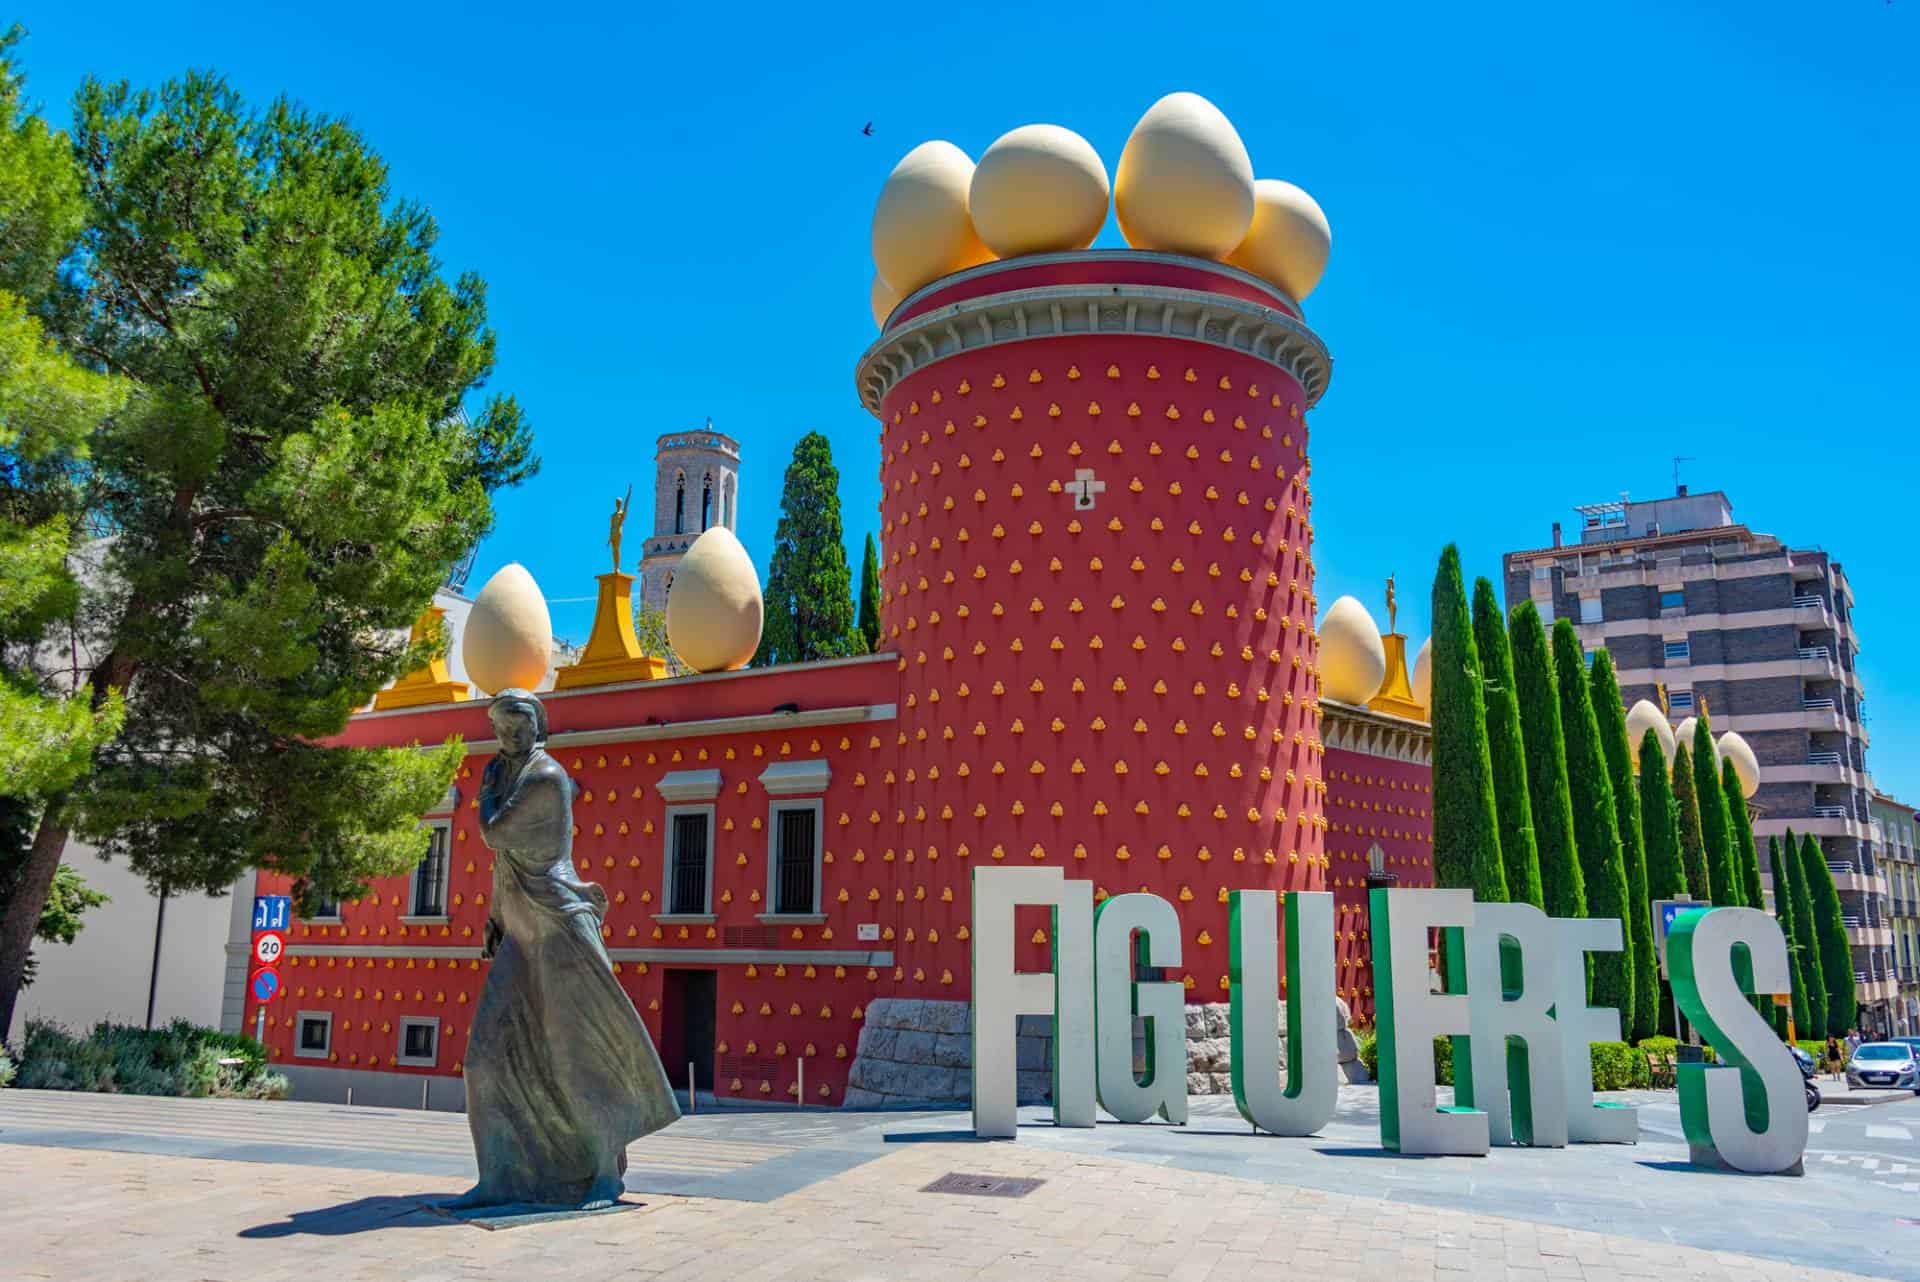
x=1833 y=1056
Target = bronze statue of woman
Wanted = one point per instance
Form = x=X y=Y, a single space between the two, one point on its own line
x=561 y=1074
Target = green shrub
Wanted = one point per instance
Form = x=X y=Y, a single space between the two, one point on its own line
x=1442 y=1058
x=180 y=1059
x=6 y=1069
x=1619 y=1067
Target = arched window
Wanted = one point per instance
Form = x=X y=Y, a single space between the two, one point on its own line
x=706 y=502
x=680 y=503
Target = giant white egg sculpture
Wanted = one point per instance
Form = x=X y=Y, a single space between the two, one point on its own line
x=1745 y=764
x=1353 y=658
x=1288 y=240
x=714 y=609
x=1038 y=189
x=1642 y=717
x=507 y=641
x=1422 y=678
x=921 y=228
x=1185 y=182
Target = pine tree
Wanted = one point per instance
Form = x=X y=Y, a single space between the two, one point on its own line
x=809 y=597
x=1693 y=847
x=1836 y=954
x=1783 y=913
x=49 y=404
x=1507 y=749
x=1466 y=825
x=870 y=596
x=1539 y=700
x=1806 y=939
x=1660 y=829
x=1596 y=825
x=1740 y=837
x=1716 y=826
x=287 y=483
x=1610 y=714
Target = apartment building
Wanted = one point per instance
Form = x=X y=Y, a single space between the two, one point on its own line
x=1759 y=634
x=1894 y=825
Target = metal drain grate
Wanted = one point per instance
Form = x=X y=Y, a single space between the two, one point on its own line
x=983 y=1185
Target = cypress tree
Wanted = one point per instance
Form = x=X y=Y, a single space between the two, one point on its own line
x=1729 y=891
x=1836 y=955
x=1466 y=826
x=809 y=598
x=1611 y=715
x=1783 y=912
x=1660 y=829
x=1507 y=749
x=1693 y=847
x=870 y=596
x=1740 y=836
x=1539 y=700
x=1806 y=939
x=1596 y=825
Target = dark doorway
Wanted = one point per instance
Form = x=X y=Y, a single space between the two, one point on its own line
x=687 y=1025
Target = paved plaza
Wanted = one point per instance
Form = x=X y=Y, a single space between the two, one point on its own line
x=112 y=1187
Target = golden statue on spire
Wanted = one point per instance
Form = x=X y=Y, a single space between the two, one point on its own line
x=1393 y=606
x=615 y=523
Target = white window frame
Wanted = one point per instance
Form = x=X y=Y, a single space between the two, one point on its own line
x=413 y=876
x=666 y=863
x=1591 y=610
x=814 y=913
x=1684 y=651
x=400 y=1055
x=1674 y=698
x=299 y=1033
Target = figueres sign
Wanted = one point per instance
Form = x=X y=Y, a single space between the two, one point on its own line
x=1518 y=1018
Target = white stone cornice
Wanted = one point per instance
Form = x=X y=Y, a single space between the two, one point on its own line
x=1352 y=728
x=1056 y=311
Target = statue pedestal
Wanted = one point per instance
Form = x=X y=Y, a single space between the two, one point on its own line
x=1396 y=693
x=431 y=684
x=613 y=652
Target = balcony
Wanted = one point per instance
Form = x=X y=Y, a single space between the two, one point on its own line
x=1817 y=705
x=1817 y=652
x=1825 y=759
x=1830 y=812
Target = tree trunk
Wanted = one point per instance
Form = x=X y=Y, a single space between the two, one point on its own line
x=22 y=918
x=28 y=901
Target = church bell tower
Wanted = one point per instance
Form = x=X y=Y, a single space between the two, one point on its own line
x=695 y=487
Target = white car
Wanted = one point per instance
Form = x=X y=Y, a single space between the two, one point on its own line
x=1884 y=1064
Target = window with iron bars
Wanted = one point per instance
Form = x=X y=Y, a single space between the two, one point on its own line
x=796 y=836
x=430 y=876
x=688 y=891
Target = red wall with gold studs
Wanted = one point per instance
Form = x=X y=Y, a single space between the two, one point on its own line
x=1126 y=692
x=1372 y=801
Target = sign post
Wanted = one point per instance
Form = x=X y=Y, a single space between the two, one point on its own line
x=272 y=915
x=1665 y=913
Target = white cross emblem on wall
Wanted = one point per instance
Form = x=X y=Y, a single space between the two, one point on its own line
x=1084 y=489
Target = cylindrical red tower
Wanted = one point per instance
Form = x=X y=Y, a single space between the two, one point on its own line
x=1098 y=574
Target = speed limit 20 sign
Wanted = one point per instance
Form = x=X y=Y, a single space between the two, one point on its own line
x=267 y=947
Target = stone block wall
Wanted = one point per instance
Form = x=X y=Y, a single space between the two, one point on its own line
x=914 y=1053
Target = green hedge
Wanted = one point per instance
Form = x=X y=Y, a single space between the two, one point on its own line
x=179 y=1059
x=6 y=1069
x=1616 y=1065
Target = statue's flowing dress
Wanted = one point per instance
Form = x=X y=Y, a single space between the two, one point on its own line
x=561 y=1074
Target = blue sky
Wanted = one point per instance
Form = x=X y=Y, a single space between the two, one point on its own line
x=1570 y=242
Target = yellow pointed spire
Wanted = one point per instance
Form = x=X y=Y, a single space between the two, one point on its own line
x=431 y=684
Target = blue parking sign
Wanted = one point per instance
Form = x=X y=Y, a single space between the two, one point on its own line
x=272 y=912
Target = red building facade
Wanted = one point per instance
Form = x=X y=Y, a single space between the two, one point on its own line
x=1100 y=654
